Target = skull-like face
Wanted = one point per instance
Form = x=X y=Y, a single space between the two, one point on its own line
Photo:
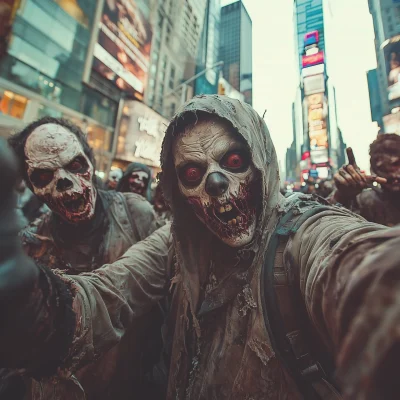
x=386 y=163
x=217 y=177
x=114 y=177
x=60 y=172
x=138 y=182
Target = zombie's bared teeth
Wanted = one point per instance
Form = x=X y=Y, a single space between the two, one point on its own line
x=232 y=222
x=221 y=210
x=239 y=219
x=228 y=207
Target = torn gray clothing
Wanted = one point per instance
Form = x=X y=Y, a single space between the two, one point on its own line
x=127 y=219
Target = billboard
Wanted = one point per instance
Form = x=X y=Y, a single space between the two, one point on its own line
x=140 y=134
x=311 y=38
x=317 y=111
x=391 y=123
x=314 y=84
x=313 y=59
x=391 y=51
x=122 y=51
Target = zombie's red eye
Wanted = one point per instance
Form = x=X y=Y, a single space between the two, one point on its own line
x=78 y=164
x=41 y=177
x=234 y=161
x=191 y=175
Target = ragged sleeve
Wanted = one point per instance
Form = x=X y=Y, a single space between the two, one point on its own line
x=349 y=272
x=107 y=301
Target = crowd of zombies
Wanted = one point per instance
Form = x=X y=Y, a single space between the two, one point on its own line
x=217 y=286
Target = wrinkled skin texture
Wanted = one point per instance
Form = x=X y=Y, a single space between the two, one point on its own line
x=138 y=182
x=200 y=152
x=385 y=161
x=60 y=173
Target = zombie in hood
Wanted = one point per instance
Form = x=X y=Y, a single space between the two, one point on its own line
x=136 y=179
x=380 y=204
x=113 y=178
x=262 y=290
x=85 y=229
x=160 y=205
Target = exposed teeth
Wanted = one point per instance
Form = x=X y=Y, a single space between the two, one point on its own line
x=239 y=219
x=228 y=207
x=221 y=210
x=232 y=222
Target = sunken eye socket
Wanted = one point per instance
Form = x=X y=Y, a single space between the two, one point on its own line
x=191 y=175
x=77 y=165
x=41 y=177
x=236 y=161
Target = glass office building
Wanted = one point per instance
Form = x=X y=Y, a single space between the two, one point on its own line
x=208 y=50
x=236 y=48
x=42 y=73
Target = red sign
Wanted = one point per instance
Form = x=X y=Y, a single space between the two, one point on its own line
x=313 y=59
x=311 y=38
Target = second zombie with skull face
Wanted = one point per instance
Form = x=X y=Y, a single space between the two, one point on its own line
x=85 y=229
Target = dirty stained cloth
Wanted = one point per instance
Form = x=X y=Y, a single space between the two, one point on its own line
x=215 y=334
x=121 y=220
x=376 y=205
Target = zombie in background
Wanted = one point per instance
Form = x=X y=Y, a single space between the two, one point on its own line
x=113 y=178
x=86 y=229
x=354 y=189
x=160 y=206
x=238 y=254
x=136 y=179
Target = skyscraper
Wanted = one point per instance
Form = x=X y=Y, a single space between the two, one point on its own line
x=316 y=133
x=386 y=20
x=208 y=51
x=236 y=48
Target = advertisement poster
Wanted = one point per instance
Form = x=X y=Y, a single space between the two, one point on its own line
x=140 y=134
x=391 y=123
x=313 y=59
x=122 y=52
x=314 y=84
x=392 y=59
x=317 y=111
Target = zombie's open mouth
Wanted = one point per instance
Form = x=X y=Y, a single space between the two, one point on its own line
x=229 y=214
x=76 y=203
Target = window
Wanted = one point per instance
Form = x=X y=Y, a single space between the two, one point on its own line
x=172 y=77
x=12 y=104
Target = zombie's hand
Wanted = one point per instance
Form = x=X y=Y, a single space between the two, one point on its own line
x=17 y=272
x=350 y=181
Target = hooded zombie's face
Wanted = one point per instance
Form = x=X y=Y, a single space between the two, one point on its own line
x=216 y=176
x=60 y=172
x=138 y=182
x=385 y=161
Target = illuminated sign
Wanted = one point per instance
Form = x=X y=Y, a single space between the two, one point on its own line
x=314 y=70
x=391 y=50
x=314 y=84
x=122 y=51
x=311 y=38
x=391 y=123
x=313 y=59
x=140 y=134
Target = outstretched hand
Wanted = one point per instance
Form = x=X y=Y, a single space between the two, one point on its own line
x=350 y=180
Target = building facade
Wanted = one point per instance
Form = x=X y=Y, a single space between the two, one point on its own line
x=236 y=48
x=375 y=101
x=386 y=21
x=208 y=50
x=316 y=143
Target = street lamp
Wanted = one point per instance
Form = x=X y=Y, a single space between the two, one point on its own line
x=184 y=85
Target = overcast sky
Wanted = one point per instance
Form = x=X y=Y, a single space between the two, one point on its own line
x=350 y=50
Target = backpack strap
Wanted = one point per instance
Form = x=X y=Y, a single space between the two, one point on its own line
x=284 y=312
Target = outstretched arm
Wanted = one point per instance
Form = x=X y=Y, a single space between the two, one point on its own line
x=350 y=279
x=52 y=321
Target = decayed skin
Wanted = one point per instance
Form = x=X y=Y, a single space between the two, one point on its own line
x=113 y=178
x=380 y=205
x=138 y=182
x=60 y=172
x=210 y=147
